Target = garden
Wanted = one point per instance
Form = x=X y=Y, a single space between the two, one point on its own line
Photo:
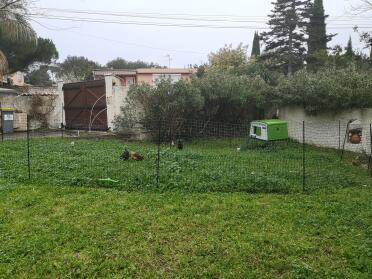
x=222 y=208
x=203 y=165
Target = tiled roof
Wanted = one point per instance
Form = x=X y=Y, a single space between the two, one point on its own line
x=114 y=72
x=126 y=72
x=165 y=71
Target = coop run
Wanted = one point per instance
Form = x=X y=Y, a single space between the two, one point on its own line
x=269 y=130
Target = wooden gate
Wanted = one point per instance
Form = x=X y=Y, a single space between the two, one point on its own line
x=85 y=105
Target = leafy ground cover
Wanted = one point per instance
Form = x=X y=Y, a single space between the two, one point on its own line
x=203 y=166
x=216 y=213
x=77 y=232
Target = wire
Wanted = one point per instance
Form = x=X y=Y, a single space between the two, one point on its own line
x=162 y=24
x=152 y=14
x=149 y=16
x=208 y=18
x=137 y=45
x=92 y=20
x=70 y=29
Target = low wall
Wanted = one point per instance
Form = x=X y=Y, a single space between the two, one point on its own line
x=329 y=129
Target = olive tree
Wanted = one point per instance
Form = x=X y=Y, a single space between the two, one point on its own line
x=166 y=104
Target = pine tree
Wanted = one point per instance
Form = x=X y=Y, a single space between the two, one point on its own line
x=286 y=39
x=317 y=32
x=349 y=49
x=256 y=49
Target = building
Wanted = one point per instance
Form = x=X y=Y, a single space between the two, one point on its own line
x=93 y=105
x=148 y=76
x=14 y=79
x=43 y=105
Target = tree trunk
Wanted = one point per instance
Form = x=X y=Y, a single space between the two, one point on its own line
x=290 y=51
x=292 y=27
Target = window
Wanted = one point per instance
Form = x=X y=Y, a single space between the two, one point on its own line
x=172 y=77
x=19 y=77
x=130 y=81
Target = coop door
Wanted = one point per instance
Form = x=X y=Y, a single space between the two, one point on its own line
x=257 y=131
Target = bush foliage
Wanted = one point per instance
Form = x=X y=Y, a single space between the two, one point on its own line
x=232 y=88
x=326 y=90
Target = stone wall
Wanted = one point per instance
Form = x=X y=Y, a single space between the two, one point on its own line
x=51 y=98
x=329 y=129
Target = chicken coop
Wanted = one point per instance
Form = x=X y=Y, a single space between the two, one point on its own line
x=269 y=130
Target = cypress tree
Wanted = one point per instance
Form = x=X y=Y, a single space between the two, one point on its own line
x=256 y=49
x=317 y=32
x=349 y=49
x=286 y=39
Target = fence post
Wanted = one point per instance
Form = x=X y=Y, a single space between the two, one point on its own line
x=28 y=149
x=345 y=140
x=303 y=157
x=339 y=135
x=158 y=155
x=370 y=155
x=2 y=124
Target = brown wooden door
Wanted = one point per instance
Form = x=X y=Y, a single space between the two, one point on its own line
x=85 y=102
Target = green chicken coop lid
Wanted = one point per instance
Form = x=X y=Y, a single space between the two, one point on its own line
x=272 y=122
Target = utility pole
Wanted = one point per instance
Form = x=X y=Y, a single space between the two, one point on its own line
x=169 y=60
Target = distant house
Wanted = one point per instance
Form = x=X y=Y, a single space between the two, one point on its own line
x=15 y=79
x=93 y=105
x=147 y=76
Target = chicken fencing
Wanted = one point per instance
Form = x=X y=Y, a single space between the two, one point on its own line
x=192 y=156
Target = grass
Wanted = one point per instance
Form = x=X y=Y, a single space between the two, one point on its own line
x=203 y=166
x=69 y=232
x=216 y=213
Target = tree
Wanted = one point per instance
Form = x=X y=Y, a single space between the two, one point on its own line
x=21 y=55
x=76 y=68
x=229 y=60
x=327 y=90
x=256 y=48
x=39 y=77
x=286 y=38
x=365 y=37
x=365 y=6
x=120 y=63
x=14 y=26
x=230 y=98
x=317 y=32
x=167 y=102
x=349 y=48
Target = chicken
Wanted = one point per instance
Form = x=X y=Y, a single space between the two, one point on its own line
x=125 y=156
x=180 y=145
x=136 y=156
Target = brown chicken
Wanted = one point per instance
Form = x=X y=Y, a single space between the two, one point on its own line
x=136 y=156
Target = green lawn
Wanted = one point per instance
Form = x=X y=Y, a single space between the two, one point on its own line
x=203 y=166
x=69 y=232
x=216 y=213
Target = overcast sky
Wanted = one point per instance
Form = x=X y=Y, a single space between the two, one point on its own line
x=102 y=42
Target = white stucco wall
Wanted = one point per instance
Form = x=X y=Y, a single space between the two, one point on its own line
x=115 y=98
x=328 y=129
